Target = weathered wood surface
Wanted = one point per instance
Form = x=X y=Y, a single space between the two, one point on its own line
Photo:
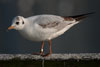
x=80 y=56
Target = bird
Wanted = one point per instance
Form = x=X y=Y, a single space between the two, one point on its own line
x=45 y=27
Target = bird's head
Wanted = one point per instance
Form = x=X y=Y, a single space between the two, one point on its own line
x=18 y=23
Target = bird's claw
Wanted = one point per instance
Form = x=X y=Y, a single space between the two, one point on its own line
x=41 y=53
x=46 y=55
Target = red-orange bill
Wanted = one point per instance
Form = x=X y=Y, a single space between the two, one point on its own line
x=11 y=27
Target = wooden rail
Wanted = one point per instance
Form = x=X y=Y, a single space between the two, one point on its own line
x=55 y=60
x=80 y=56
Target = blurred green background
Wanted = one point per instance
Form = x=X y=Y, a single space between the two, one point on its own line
x=82 y=38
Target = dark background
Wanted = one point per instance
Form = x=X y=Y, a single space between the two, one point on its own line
x=82 y=38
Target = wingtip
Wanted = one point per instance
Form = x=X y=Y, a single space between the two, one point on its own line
x=90 y=13
x=78 y=17
x=82 y=16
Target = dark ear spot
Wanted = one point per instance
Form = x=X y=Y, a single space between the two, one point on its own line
x=23 y=22
x=18 y=18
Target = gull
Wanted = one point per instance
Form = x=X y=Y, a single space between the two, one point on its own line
x=44 y=27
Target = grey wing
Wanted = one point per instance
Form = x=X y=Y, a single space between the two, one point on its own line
x=54 y=22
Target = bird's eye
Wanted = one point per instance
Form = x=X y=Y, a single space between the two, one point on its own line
x=17 y=23
x=23 y=22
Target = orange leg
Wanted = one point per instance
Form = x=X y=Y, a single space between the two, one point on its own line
x=50 y=50
x=41 y=51
x=42 y=46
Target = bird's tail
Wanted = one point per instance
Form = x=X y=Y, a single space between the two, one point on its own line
x=82 y=16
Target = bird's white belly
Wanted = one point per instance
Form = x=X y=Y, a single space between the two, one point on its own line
x=32 y=37
x=36 y=35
